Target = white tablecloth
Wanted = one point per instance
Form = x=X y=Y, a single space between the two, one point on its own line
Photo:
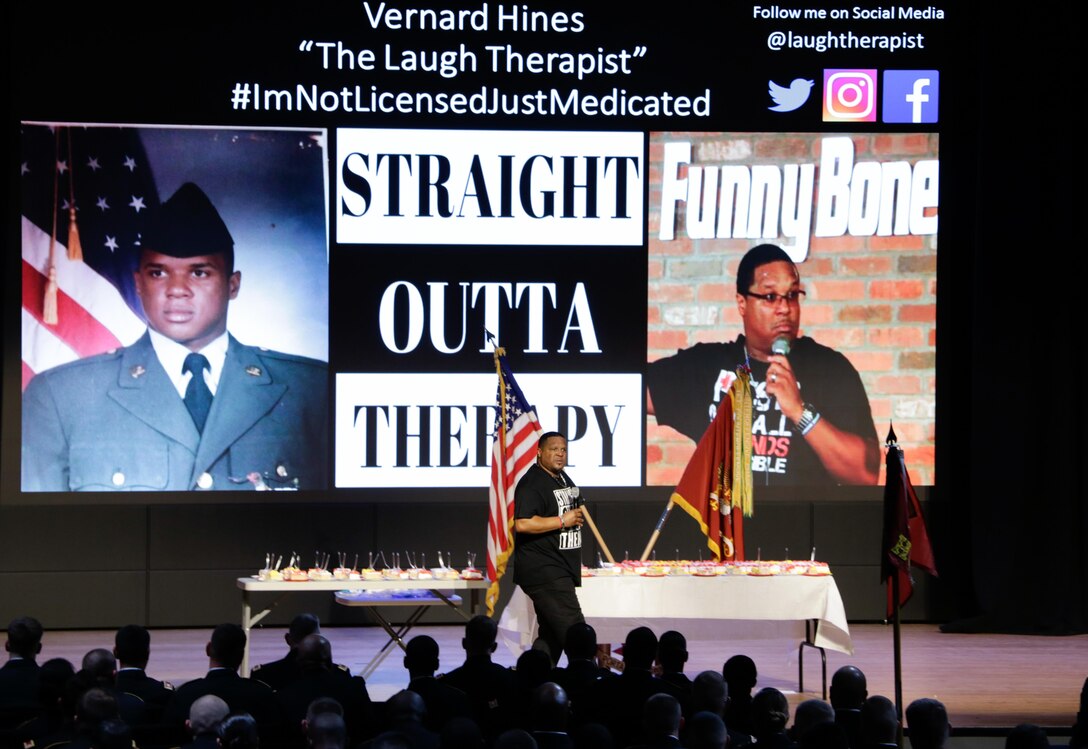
x=698 y=606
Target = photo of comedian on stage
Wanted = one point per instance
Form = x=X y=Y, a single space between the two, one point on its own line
x=809 y=260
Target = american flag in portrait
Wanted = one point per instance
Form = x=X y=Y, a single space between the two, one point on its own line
x=78 y=297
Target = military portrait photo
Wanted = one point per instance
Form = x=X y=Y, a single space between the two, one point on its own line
x=174 y=309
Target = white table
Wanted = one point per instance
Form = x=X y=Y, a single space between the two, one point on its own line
x=809 y=609
x=438 y=589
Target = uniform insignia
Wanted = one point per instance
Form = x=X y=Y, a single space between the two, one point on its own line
x=137 y=371
x=253 y=371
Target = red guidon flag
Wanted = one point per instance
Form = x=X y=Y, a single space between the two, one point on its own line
x=905 y=541
x=517 y=432
x=716 y=486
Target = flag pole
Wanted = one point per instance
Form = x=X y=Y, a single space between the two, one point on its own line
x=897 y=648
x=657 y=530
x=597 y=534
x=905 y=545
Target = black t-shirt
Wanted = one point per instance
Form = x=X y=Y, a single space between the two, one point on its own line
x=542 y=557
x=687 y=387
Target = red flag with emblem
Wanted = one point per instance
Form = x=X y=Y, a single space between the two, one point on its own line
x=705 y=489
x=905 y=542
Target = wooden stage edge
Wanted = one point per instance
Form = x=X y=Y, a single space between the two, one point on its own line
x=984 y=680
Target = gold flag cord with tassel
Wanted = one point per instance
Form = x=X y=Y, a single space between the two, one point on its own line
x=49 y=301
x=75 y=247
x=742 y=442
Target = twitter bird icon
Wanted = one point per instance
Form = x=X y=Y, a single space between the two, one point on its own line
x=789 y=99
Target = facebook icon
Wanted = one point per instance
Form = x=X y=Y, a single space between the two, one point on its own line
x=911 y=95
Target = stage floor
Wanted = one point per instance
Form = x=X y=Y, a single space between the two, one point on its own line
x=984 y=680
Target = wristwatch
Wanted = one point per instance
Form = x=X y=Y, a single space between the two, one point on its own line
x=809 y=417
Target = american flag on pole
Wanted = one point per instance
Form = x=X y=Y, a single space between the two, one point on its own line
x=516 y=434
x=74 y=307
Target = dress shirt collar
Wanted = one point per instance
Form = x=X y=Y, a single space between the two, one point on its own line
x=172 y=355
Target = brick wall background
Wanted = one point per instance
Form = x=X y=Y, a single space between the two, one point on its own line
x=872 y=298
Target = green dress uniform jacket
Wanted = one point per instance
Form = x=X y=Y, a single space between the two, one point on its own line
x=114 y=422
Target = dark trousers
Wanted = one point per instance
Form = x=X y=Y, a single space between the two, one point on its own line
x=557 y=609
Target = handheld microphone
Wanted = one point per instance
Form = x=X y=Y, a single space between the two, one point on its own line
x=781 y=346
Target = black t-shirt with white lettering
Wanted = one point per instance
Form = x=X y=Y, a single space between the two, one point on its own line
x=542 y=557
x=686 y=388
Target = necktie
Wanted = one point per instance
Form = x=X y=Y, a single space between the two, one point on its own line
x=198 y=398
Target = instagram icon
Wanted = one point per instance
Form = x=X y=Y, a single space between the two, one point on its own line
x=849 y=95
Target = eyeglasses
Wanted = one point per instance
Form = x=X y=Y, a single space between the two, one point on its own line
x=771 y=300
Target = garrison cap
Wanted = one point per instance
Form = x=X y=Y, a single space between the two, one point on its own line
x=188 y=225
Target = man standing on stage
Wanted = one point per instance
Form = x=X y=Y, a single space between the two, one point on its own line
x=548 y=546
x=811 y=420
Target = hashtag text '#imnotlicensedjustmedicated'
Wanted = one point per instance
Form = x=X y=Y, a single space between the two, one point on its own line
x=615 y=102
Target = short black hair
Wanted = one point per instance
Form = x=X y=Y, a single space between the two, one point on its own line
x=421 y=654
x=706 y=729
x=238 y=731
x=848 y=688
x=927 y=720
x=879 y=721
x=25 y=637
x=228 y=645
x=639 y=647
x=810 y=714
x=709 y=692
x=100 y=665
x=314 y=653
x=761 y=254
x=661 y=715
x=480 y=632
x=770 y=712
x=672 y=650
x=132 y=644
x=1027 y=736
x=324 y=705
x=532 y=668
x=94 y=706
x=53 y=675
x=549 y=706
x=327 y=729
x=113 y=733
x=303 y=625
x=740 y=673
x=547 y=436
x=581 y=641
x=206 y=713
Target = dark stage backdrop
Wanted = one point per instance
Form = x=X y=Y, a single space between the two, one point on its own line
x=990 y=415
x=1025 y=448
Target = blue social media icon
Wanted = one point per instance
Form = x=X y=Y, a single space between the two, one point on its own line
x=911 y=95
x=787 y=99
